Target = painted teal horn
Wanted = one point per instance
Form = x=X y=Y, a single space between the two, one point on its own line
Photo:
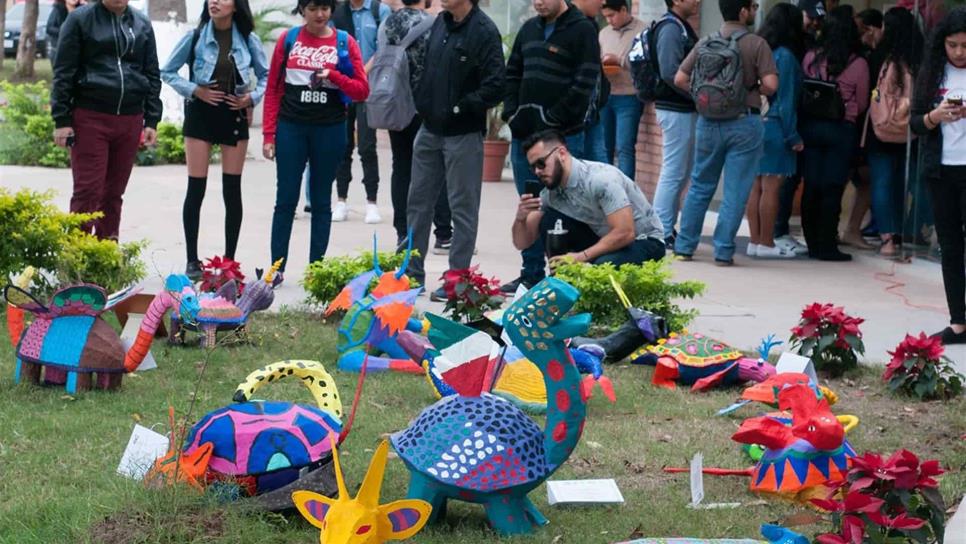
x=409 y=250
x=375 y=255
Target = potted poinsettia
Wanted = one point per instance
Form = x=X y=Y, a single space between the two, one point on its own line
x=919 y=367
x=829 y=337
x=218 y=271
x=469 y=294
x=894 y=500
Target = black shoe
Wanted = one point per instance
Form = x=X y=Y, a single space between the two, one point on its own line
x=441 y=247
x=307 y=209
x=510 y=288
x=832 y=256
x=438 y=295
x=193 y=270
x=947 y=336
x=669 y=239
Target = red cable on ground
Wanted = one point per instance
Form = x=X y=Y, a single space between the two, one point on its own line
x=894 y=284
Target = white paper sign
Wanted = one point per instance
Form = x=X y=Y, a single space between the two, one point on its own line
x=583 y=492
x=144 y=447
x=697 y=480
x=956 y=528
x=130 y=333
x=789 y=362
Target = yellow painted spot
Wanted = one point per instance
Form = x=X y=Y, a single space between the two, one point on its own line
x=542 y=324
x=547 y=334
x=542 y=346
x=528 y=343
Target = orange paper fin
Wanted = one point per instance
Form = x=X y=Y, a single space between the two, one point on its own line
x=393 y=311
x=353 y=291
x=708 y=382
x=665 y=373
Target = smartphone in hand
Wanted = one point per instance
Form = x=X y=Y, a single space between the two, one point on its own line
x=533 y=187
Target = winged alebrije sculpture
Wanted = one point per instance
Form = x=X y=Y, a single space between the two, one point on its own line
x=225 y=310
x=373 y=318
x=802 y=457
x=264 y=445
x=69 y=342
x=361 y=519
x=801 y=454
x=479 y=447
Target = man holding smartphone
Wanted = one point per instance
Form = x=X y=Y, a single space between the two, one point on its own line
x=606 y=217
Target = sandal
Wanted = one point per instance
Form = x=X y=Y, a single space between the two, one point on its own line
x=856 y=241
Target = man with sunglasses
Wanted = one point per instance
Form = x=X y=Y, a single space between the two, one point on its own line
x=607 y=217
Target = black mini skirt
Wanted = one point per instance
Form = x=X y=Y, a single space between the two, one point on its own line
x=214 y=124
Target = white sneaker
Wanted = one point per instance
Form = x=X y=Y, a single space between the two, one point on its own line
x=340 y=212
x=791 y=244
x=752 y=250
x=776 y=252
x=372 y=214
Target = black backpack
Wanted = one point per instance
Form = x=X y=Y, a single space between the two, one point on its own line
x=642 y=59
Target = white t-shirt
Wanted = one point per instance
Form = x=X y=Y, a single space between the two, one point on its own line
x=954 y=134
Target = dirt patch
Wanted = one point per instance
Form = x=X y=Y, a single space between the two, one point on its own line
x=134 y=527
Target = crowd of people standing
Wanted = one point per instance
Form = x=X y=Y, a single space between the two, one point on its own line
x=815 y=97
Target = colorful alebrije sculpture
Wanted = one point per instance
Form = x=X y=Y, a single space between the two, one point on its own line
x=177 y=467
x=480 y=448
x=225 y=310
x=372 y=320
x=263 y=445
x=69 y=341
x=519 y=380
x=362 y=520
x=702 y=362
x=800 y=457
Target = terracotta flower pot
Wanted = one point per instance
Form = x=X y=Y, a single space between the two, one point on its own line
x=494 y=157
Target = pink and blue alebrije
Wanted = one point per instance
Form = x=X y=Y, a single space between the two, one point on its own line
x=474 y=443
x=279 y=439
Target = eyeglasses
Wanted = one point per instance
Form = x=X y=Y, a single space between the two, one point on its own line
x=541 y=163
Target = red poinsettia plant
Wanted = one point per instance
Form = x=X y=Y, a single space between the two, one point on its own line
x=218 y=271
x=829 y=337
x=469 y=294
x=895 y=500
x=919 y=367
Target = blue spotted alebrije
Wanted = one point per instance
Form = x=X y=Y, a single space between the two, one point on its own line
x=485 y=450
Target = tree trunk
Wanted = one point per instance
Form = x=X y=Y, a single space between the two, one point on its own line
x=27 y=49
x=160 y=10
x=3 y=26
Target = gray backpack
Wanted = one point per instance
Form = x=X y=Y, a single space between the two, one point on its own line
x=717 y=80
x=390 y=104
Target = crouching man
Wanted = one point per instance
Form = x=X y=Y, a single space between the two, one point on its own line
x=606 y=217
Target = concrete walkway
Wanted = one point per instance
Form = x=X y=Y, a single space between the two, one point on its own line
x=741 y=304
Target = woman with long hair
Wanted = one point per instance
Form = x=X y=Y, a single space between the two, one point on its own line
x=221 y=54
x=316 y=71
x=830 y=140
x=938 y=118
x=783 y=32
x=60 y=11
x=898 y=54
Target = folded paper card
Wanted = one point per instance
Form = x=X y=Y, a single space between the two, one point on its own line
x=583 y=492
x=142 y=449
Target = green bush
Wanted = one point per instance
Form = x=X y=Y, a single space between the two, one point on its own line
x=648 y=286
x=170 y=147
x=26 y=133
x=34 y=232
x=324 y=279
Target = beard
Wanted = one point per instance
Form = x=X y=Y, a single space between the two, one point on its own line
x=556 y=178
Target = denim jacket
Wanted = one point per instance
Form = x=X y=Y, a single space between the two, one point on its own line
x=247 y=56
x=783 y=105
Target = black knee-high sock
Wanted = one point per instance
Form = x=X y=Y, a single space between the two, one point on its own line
x=191 y=215
x=231 y=191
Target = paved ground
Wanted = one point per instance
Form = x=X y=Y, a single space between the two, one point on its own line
x=742 y=303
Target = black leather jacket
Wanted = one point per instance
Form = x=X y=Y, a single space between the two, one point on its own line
x=107 y=63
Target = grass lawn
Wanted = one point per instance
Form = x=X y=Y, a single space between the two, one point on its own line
x=42 y=70
x=58 y=454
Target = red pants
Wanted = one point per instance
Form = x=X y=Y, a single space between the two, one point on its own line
x=105 y=147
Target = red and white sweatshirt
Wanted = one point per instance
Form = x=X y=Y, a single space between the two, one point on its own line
x=294 y=99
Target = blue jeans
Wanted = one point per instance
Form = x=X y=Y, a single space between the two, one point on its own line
x=620 y=118
x=735 y=147
x=887 y=171
x=322 y=146
x=533 y=257
x=595 y=148
x=677 y=129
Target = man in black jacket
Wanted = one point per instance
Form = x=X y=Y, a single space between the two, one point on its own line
x=462 y=81
x=106 y=89
x=551 y=77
